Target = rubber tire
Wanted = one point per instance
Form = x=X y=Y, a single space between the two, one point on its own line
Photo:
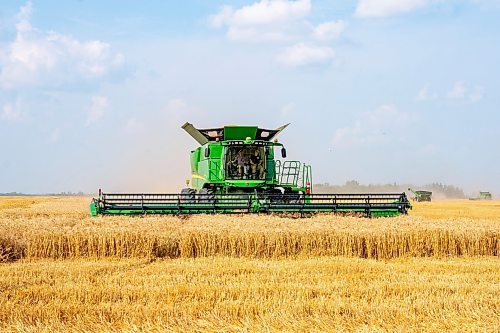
x=207 y=195
x=188 y=195
x=293 y=198
x=276 y=196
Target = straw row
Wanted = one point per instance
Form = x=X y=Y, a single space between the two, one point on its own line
x=192 y=244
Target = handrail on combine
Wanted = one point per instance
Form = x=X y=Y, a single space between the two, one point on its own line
x=293 y=173
x=277 y=170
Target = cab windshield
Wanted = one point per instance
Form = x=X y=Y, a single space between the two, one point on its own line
x=245 y=162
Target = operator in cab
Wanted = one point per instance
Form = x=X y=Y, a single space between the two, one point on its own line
x=242 y=161
x=256 y=165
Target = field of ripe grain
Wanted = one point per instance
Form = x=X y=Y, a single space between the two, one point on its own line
x=434 y=270
x=58 y=228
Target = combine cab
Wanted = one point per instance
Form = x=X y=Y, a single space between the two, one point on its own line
x=421 y=196
x=235 y=170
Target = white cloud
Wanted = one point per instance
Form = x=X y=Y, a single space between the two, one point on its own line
x=458 y=90
x=329 y=30
x=12 y=112
x=97 y=108
x=382 y=8
x=48 y=58
x=461 y=92
x=266 y=20
x=222 y=17
x=262 y=13
x=425 y=95
x=384 y=125
x=134 y=126
x=281 y=21
x=301 y=54
x=23 y=18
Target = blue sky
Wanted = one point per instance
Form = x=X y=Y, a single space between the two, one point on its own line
x=93 y=93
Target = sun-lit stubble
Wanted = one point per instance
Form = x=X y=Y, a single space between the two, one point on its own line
x=221 y=294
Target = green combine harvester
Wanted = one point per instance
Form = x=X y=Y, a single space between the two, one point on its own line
x=235 y=169
x=483 y=196
x=421 y=196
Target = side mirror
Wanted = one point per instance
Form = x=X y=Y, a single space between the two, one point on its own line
x=283 y=152
x=267 y=151
x=207 y=152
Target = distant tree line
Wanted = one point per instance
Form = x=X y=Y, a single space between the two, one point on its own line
x=60 y=194
x=353 y=186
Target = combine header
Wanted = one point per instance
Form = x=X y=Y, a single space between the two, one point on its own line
x=235 y=170
x=421 y=195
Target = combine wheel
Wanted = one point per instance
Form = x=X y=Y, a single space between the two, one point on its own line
x=293 y=198
x=276 y=196
x=188 y=195
x=207 y=195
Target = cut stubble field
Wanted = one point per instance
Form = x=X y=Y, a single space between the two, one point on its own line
x=435 y=270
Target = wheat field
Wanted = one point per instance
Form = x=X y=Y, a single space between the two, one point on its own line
x=58 y=228
x=434 y=270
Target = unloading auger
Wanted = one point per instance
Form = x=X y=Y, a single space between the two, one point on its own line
x=235 y=170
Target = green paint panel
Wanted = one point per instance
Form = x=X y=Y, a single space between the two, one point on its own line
x=93 y=209
x=239 y=132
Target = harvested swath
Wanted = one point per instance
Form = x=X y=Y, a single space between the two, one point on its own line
x=321 y=294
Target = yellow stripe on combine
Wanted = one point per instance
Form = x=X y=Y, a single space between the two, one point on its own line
x=195 y=176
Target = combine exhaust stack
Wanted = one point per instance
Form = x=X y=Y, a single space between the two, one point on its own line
x=235 y=170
